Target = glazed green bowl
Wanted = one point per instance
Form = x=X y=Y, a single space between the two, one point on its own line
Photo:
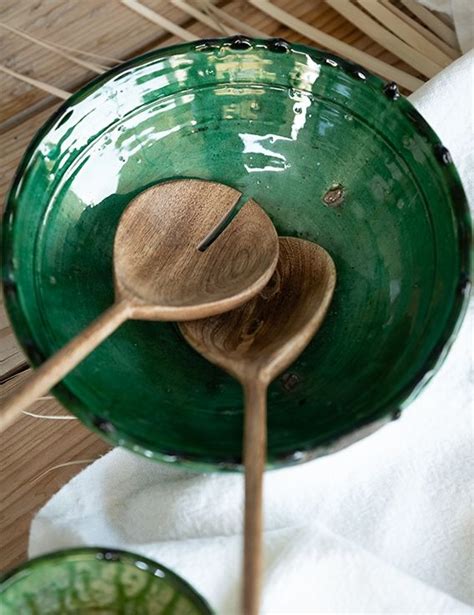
x=332 y=153
x=95 y=580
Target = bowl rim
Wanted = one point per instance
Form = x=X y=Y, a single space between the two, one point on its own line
x=364 y=426
x=106 y=555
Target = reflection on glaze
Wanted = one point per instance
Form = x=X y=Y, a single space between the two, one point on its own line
x=259 y=144
x=303 y=80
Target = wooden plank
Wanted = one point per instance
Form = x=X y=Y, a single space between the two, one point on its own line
x=12 y=359
x=29 y=448
x=101 y=26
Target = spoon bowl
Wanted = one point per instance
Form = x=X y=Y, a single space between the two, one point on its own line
x=161 y=268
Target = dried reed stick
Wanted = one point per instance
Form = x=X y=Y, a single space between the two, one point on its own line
x=206 y=9
x=404 y=31
x=202 y=17
x=338 y=47
x=61 y=465
x=81 y=52
x=239 y=25
x=452 y=53
x=103 y=59
x=51 y=417
x=109 y=60
x=161 y=21
x=432 y=22
x=84 y=63
x=385 y=38
x=36 y=83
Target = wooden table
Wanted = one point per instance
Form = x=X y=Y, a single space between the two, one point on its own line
x=34 y=451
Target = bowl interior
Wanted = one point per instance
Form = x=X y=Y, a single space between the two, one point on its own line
x=94 y=580
x=329 y=155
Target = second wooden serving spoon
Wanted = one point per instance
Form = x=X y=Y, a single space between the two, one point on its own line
x=177 y=256
x=255 y=343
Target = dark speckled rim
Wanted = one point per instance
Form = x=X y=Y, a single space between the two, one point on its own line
x=380 y=416
x=113 y=555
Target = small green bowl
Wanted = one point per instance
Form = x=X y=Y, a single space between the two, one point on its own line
x=332 y=153
x=97 y=580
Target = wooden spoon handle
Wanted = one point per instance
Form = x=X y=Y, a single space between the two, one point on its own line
x=255 y=447
x=55 y=368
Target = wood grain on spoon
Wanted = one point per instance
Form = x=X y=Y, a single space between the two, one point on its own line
x=161 y=274
x=255 y=343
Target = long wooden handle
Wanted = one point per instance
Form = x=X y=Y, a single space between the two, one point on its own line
x=255 y=448
x=54 y=369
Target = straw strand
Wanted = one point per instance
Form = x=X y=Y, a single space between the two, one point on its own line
x=404 y=31
x=158 y=19
x=84 y=63
x=336 y=46
x=385 y=38
x=41 y=85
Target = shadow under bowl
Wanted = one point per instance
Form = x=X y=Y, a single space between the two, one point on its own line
x=331 y=153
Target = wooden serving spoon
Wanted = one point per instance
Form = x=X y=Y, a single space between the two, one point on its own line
x=254 y=344
x=167 y=266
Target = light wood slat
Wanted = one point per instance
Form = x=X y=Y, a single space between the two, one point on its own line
x=95 y=25
x=27 y=449
x=452 y=53
x=432 y=22
x=385 y=38
x=409 y=35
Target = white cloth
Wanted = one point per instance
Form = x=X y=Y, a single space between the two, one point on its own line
x=384 y=526
x=462 y=14
x=447 y=103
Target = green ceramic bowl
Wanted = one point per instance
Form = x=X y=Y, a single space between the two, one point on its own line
x=332 y=153
x=95 y=580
